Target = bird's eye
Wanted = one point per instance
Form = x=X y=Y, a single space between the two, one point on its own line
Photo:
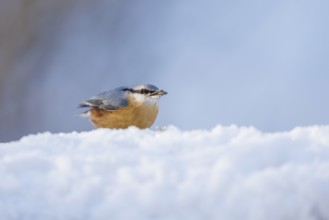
x=145 y=91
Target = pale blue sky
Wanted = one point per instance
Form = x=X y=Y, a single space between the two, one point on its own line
x=259 y=63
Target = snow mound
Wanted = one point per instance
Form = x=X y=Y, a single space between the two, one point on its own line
x=225 y=173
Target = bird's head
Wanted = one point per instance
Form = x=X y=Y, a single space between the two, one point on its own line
x=146 y=93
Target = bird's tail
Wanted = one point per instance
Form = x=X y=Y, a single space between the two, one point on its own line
x=85 y=114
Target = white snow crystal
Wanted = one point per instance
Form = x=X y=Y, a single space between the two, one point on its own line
x=225 y=173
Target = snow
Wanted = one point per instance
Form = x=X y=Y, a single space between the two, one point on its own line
x=227 y=172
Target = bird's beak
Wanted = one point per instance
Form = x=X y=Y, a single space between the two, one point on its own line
x=159 y=93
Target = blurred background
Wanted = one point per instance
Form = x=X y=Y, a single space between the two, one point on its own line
x=259 y=63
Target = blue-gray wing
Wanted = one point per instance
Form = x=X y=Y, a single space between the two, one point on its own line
x=109 y=101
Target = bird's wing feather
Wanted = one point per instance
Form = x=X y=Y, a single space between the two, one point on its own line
x=109 y=101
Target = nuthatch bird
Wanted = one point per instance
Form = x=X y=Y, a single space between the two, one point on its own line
x=123 y=107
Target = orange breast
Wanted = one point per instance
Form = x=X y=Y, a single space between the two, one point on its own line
x=141 y=116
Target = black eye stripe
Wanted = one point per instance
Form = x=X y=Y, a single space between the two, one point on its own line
x=145 y=91
x=140 y=91
x=127 y=89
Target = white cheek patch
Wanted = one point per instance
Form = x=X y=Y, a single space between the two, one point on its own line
x=138 y=97
x=150 y=100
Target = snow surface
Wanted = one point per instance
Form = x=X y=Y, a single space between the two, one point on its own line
x=225 y=173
